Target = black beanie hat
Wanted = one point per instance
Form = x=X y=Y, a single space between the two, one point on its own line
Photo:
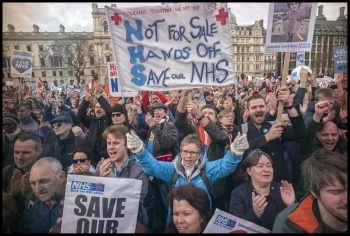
x=118 y=108
x=12 y=118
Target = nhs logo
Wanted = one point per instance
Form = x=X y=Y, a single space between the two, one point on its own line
x=225 y=222
x=303 y=45
x=87 y=186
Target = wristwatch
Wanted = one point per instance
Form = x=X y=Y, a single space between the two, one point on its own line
x=288 y=108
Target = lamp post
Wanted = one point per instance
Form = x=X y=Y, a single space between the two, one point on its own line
x=242 y=63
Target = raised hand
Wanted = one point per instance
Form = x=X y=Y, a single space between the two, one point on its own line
x=134 y=143
x=239 y=145
x=287 y=193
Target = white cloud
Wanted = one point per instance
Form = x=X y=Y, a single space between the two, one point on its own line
x=77 y=16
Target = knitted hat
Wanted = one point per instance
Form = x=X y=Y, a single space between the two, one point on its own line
x=118 y=108
x=11 y=117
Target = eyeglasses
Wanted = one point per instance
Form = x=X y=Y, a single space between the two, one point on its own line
x=228 y=116
x=116 y=114
x=82 y=161
x=59 y=124
x=192 y=153
x=6 y=124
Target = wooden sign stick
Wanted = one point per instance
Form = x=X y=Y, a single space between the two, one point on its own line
x=283 y=83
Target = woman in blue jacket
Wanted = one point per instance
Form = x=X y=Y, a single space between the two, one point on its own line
x=189 y=162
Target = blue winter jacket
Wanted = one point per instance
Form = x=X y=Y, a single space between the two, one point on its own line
x=215 y=170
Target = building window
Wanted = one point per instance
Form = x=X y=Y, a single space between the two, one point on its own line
x=105 y=26
x=4 y=62
x=42 y=61
x=108 y=58
x=69 y=61
x=33 y=74
x=43 y=74
x=70 y=73
x=107 y=46
x=60 y=73
x=29 y=48
x=8 y=75
x=92 y=61
x=16 y=47
x=82 y=72
x=41 y=48
x=57 y=61
x=54 y=73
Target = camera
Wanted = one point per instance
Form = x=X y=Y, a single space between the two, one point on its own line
x=150 y=109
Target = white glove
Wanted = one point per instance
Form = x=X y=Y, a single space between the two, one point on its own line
x=134 y=143
x=239 y=145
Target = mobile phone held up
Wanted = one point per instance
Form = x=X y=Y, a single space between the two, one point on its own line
x=150 y=109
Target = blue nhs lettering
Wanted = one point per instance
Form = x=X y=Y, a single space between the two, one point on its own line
x=81 y=185
x=221 y=219
x=114 y=84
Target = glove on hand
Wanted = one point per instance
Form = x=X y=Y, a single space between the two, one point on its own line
x=134 y=143
x=239 y=145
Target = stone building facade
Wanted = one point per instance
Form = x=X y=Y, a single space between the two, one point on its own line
x=248 y=49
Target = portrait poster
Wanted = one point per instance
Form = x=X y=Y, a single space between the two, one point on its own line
x=290 y=26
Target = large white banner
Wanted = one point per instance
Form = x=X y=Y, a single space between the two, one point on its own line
x=223 y=223
x=21 y=64
x=290 y=26
x=175 y=46
x=100 y=204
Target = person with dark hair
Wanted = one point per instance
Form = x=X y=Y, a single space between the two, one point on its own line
x=268 y=197
x=27 y=123
x=95 y=123
x=269 y=137
x=10 y=133
x=320 y=135
x=15 y=177
x=190 y=208
x=81 y=161
x=325 y=208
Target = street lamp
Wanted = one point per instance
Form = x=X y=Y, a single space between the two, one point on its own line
x=242 y=63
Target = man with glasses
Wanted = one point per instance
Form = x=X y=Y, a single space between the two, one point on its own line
x=63 y=148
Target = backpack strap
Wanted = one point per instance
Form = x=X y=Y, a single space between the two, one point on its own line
x=173 y=181
x=205 y=179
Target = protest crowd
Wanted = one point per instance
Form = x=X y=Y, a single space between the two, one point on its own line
x=223 y=140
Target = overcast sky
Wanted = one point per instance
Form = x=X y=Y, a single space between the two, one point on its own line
x=77 y=16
